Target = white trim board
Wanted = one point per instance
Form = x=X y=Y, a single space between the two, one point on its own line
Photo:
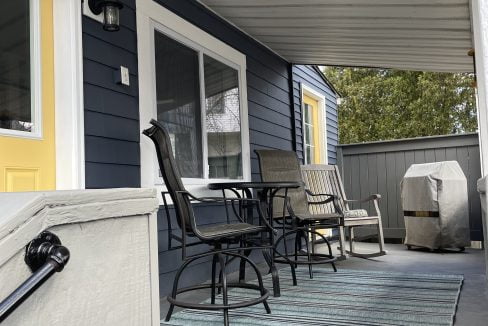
x=479 y=21
x=152 y=16
x=68 y=83
x=322 y=110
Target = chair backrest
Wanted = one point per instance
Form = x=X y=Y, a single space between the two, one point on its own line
x=324 y=179
x=279 y=165
x=171 y=174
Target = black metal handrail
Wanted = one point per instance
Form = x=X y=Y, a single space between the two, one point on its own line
x=44 y=255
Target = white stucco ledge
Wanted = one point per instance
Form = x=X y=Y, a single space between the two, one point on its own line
x=112 y=275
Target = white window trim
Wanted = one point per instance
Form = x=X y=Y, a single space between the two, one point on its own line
x=321 y=100
x=305 y=124
x=151 y=16
x=35 y=77
x=68 y=88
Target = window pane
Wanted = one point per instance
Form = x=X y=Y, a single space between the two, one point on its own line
x=308 y=134
x=308 y=154
x=178 y=102
x=307 y=113
x=15 y=88
x=223 y=120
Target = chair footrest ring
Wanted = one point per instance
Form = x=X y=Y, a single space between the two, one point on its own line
x=316 y=259
x=209 y=306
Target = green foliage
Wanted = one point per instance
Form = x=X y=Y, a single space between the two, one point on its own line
x=379 y=104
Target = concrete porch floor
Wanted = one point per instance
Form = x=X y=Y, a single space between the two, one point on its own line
x=473 y=303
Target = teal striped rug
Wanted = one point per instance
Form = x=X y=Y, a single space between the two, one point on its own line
x=347 y=297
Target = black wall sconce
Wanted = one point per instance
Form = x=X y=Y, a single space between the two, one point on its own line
x=110 y=9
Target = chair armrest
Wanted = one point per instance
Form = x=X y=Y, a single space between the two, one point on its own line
x=374 y=198
x=370 y=198
x=253 y=201
x=332 y=198
x=310 y=193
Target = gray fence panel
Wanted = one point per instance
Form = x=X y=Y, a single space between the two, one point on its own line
x=378 y=167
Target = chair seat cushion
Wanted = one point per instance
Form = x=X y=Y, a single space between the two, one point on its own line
x=356 y=213
x=331 y=219
x=229 y=230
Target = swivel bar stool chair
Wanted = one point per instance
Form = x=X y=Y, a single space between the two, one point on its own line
x=295 y=217
x=215 y=236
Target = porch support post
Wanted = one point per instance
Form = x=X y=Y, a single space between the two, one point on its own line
x=479 y=20
x=68 y=74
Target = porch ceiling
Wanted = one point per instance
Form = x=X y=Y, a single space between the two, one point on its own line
x=403 y=34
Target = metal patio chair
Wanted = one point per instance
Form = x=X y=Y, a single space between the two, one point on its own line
x=323 y=178
x=215 y=236
x=291 y=209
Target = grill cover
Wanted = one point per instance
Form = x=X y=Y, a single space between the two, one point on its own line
x=435 y=205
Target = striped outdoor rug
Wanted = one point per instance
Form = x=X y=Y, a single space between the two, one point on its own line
x=347 y=297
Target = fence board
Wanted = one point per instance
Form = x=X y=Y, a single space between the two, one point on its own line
x=378 y=167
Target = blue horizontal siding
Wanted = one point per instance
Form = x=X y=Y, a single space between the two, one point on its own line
x=307 y=75
x=111 y=110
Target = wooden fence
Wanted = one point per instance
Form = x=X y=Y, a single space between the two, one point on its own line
x=378 y=167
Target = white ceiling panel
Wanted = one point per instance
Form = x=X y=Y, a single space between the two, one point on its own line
x=403 y=34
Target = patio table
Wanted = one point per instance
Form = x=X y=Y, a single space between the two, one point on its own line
x=266 y=194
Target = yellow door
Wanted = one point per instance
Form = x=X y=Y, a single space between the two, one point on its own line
x=313 y=146
x=27 y=148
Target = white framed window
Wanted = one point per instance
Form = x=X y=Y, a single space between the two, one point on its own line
x=314 y=126
x=20 y=69
x=195 y=85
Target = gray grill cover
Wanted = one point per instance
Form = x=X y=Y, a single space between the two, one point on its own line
x=436 y=187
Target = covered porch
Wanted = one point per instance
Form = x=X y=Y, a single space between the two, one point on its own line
x=439 y=36
x=260 y=42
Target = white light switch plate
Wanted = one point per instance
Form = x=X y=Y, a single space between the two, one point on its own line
x=124 y=76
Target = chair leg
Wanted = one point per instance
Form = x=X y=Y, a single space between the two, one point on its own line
x=292 y=266
x=330 y=254
x=260 y=283
x=214 y=267
x=284 y=238
x=351 y=240
x=219 y=288
x=309 y=255
x=328 y=246
x=381 y=239
x=312 y=239
x=298 y=246
x=242 y=266
x=225 y=300
x=175 y=287
x=381 y=244
x=274 y=272
x=342 y=242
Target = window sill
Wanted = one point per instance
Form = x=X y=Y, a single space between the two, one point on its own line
x=199 y=188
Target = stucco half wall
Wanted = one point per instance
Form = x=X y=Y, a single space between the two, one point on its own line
x=112 y=275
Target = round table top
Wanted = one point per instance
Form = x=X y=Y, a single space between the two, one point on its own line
x=253 y=185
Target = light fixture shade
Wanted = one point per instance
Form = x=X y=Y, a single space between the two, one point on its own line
x=110 y=10
x=111 y=18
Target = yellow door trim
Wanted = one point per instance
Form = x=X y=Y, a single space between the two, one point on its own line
x=316 y=100
x=317 y=128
